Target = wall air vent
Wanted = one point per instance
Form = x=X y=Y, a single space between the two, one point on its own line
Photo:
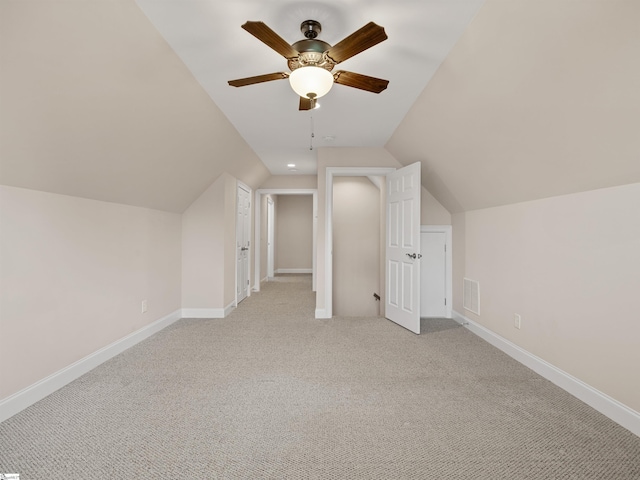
x=471 y=294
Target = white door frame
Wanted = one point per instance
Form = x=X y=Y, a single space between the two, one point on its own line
x=448 y=231
x=270 y=237
x=258 y=210
x=328 y=241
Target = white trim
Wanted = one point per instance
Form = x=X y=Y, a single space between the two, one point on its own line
x=294 y=270
x=271 y=237
x=257 y=213
x=447 y=230
x=39 y=390
x=616 y=411
x=208 y=312
x=322 y=313
x=328 y=228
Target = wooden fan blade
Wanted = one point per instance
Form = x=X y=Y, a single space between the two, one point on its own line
x=307 y=104
x=241 y=82
x=363 y=82
x=270 y=38
x=368 y=36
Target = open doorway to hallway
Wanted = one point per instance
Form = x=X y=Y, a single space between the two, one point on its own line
x=357 y=243
x=285 y=235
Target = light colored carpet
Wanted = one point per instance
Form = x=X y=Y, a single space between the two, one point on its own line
x=270 y=392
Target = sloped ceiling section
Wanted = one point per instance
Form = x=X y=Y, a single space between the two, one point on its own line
x=538 y=98
x=95 y=104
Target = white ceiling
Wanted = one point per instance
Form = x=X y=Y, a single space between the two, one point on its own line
x=207 y=36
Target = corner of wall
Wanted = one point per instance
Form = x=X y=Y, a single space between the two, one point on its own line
x=458 y=228
x=432 y=212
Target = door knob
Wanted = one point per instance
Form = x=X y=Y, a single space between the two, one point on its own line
x=414 y=255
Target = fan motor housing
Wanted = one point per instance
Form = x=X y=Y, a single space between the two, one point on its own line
x=311 y=45
x=311 y=49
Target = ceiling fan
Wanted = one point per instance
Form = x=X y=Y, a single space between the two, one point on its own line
x=311 y=60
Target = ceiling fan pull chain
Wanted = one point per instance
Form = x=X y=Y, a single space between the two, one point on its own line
x=312 y=134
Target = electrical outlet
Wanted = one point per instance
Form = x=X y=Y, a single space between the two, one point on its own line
x=517 y=321
x=144 y=306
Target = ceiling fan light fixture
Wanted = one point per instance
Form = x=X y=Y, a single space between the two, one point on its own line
x=311 y=82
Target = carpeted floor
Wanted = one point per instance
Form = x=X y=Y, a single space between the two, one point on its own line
x=270 y=392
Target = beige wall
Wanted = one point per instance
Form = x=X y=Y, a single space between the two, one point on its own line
x=569 y=266
x=431 y=210
x=291 y=181
x=228 y=255
x=202 y=247
x=294 y=232
x=73 y=276
x=356 y=247
x=458 y=257
x=208 y=247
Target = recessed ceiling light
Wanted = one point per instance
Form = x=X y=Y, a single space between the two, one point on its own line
x=291 y=165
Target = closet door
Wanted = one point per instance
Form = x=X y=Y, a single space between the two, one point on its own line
x=433 y=277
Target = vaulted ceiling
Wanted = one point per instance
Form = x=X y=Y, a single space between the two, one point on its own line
x=538 y=98
x=509 y=102
x=208 y=37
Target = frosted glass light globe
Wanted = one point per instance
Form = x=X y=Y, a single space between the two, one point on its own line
x=311 y=82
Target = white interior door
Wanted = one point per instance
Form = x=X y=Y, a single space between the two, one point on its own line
x=402 y=252
x=433 y=274
x=243 y=227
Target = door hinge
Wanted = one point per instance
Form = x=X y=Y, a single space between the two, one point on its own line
x=445 y=301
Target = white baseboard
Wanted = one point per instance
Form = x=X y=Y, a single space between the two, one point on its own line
x=208 y=312
x=33 y=393
x=616 y=411
x=294 y=270
x=321 y=313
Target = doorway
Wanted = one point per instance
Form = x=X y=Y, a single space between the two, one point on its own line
x=331 y=172
x=261 y=232
x=356 y=246
x=402 y=242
